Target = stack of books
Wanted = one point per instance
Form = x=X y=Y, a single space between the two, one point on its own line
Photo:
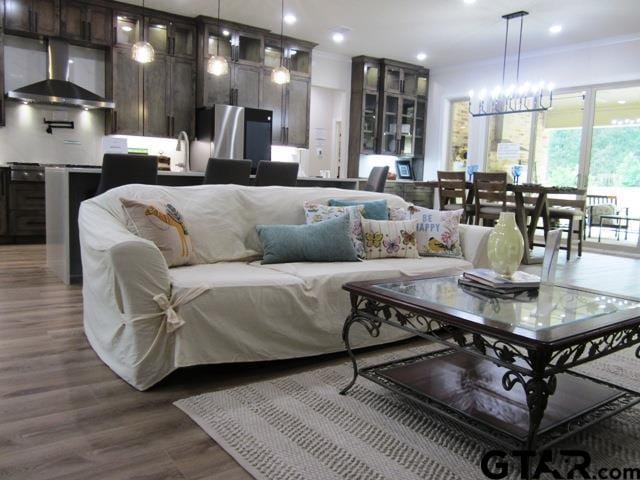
x=487 y=280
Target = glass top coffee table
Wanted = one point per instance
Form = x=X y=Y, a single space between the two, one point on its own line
x=506 y=372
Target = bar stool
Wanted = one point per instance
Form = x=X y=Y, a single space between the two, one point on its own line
x=122 y=169
x=221 y=171
x=284 y=174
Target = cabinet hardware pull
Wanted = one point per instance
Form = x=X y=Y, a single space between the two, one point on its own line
x=30 y=20
x=173 y=126
x=36 y=20
x=168 y=125
x=89 y=35
x=115 y=120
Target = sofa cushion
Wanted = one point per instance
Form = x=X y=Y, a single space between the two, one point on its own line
x=328 y=241
x=385 y=239
x=342 y=272
x=373 y=210
x=316 y=212
x=162 y=224
x=229 y=274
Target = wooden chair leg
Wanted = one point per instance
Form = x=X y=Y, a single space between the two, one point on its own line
x=569 y=237
x=581 y=230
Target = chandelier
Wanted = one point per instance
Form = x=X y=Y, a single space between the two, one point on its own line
x=518 y=97
x=217 y=65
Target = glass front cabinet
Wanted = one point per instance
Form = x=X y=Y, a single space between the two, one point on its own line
x=388 y=109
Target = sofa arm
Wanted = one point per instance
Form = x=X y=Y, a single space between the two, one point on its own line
x=122 y=269
x=474 y=240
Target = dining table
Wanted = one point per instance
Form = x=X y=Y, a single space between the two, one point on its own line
x=534 y=196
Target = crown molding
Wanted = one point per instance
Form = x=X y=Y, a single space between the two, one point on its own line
x=603 y=42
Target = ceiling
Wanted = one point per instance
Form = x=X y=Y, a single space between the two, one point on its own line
x=448 y=31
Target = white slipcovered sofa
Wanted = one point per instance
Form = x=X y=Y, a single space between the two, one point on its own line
x=145 y=320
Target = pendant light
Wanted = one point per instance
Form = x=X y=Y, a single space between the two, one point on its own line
x=217 y=65
x=142 y=51
x=281 y=74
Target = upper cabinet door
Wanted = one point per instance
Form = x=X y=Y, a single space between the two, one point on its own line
x=369 y=122
x=297 y=132
x=249 y=49
x=390 y=128
x=127 y=93
x=410 y=83
x=423 y=86
x=371 y=76
x=73 y=22
x=18 y=15
x=86 y=23
x=218 y=42
x=247 y=85
x=127 y=29
x=46 y=17
x=392 y=79
x=183 y=40
x=99 y=20
x=300 y=60
x=157 y=34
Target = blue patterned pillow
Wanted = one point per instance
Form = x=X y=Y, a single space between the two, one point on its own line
x=326 y=241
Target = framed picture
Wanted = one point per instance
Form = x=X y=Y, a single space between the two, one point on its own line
x=404 y=169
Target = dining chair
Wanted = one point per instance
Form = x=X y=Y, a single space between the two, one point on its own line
x=452 y=191
x=490 y=196
x=222 y=171
x=284 y=174
x=377 y=179
x=124 y=169
x=570 y=208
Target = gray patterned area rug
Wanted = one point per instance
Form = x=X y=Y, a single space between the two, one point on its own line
x=299 y=427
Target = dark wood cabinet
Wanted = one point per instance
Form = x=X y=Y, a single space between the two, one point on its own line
x=39 y=17
x=4 y=202
x=183 y=96
x=157 y=114
x=273 y=99
x=26 y=209
x=127 y=93
x=388 y=110
x=246 y=89
x=297 y=112
x=85 y=23
x=2 y=118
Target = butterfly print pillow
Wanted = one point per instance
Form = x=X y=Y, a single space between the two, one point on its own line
x=389 y=239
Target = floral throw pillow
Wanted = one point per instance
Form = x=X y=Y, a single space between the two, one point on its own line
x=438 y=232
x=162 y=224
x=387 y=239
x=316 y=212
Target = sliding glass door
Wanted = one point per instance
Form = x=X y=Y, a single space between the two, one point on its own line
x=614 y=166
x=589 y=138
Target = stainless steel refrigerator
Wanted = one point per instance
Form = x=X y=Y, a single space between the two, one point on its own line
x=230 y=132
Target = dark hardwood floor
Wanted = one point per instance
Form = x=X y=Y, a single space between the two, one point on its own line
x=65 y=415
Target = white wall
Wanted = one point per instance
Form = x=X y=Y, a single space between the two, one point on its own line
x=613 y=60
x=330 y=96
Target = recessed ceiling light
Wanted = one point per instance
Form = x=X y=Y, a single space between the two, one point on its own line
x=338 y=37
x=421 y=56
x=469 y=2
x=290 y=19
x=226 y=32
x=127 y=28
x=622 y=102
x=555 y=29
x=70 y=61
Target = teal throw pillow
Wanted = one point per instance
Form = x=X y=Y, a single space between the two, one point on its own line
x=373 y=209
x=327 y=241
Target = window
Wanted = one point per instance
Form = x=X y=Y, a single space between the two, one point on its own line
x=458 y=135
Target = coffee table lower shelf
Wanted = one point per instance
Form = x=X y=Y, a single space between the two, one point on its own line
x=469 y=391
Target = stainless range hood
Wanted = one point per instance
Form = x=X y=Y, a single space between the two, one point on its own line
x=57 y=89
